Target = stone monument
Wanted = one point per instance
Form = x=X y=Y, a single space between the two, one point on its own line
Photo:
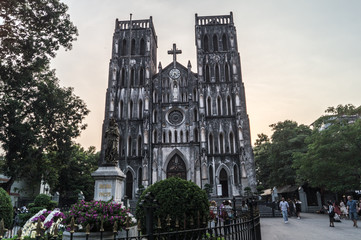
x=108 y=177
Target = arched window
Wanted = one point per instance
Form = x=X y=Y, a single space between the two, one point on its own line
x=181 y=136
x=121 y=109
x=132 y=77
x=121 y=147
x=164 y=140
x=155 y=116
x=140 y=177
x=140 y=109
x=195 y=115
x=133 y=47
x=231 y=142
x=205 y=43
x=196 y=135
x=142 y=47
x=123 y=78
x=129 y=185
x=175 y=136
x=195 y=94
x=155 y=96
x=227 y=73
x=221 y=143
x=168 y=97
x=209 y=106
x=124 y=47
x=210 y=143
x=187 y=136
x=206 y=74
x=211 y=175
x=224 y=43
x=170 y=136
x=139 y=152
x=219 y=106
x=229 y=105
x=235 y=174
x=141 y=77
x=130 y=109
x=217 y=73
x=155 y=136
x=130 y=146
x=215 y=43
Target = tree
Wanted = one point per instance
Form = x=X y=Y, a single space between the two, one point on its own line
x=74 y=173
x=274 y=157
x=333 y=159
x=37 y=115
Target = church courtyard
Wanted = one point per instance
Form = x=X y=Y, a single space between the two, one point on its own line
x=310 y=227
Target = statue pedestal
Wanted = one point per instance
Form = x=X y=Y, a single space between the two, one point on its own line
x=108 y=183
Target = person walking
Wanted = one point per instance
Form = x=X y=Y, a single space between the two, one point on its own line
x=331 y=213
x=284 y=208
x=298 y=208
x=352 y=211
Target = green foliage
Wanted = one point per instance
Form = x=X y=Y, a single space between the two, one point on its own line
x=274 y=157
x=74 y=173
x=333 y=159
x=177 y=198
x=6 y=208
x=42 y=201
x=208 y=188
x=38 y=115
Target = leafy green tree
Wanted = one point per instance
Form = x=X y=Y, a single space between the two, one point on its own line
x=74 y=173
x=6 y=208
x=37 y=115
x=333 y=159
x=274 y=157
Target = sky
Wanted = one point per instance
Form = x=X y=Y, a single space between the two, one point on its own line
x=297 y=57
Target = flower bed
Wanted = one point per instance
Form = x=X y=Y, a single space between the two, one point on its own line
x=94 y=212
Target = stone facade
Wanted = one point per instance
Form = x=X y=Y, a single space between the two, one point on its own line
x=176 y=122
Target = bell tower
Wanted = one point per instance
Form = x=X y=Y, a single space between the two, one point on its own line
x=225 y=132
x=132 y=64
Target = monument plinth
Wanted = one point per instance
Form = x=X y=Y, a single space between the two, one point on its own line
x=108 y=177
x=108 y=183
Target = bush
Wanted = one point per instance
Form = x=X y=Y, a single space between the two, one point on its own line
x=42 y=201
x=6 y=208
x=178 y=198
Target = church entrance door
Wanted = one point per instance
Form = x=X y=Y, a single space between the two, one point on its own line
x=223 y=180
x=176 y=168
x=129 y=185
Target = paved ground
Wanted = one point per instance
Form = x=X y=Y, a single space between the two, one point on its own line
x=309 y=227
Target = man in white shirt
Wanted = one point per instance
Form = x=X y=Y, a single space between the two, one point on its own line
x=284 y=208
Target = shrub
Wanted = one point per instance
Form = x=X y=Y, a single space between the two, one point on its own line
x=42 y=201
x=178 y=198
x=6 y=208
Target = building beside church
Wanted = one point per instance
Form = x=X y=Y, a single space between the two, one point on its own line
x=175 y=121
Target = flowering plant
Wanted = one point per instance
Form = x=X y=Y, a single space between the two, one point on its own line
x=94 y=212
x=47 y=220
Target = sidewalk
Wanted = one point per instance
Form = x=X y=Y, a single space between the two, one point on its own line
x=310 y=227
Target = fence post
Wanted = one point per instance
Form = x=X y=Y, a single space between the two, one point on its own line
x=149 y=203
x=252 y=220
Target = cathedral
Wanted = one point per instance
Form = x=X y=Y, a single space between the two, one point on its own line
x=177 y=121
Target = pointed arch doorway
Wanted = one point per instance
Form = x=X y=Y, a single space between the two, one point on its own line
x=223 y=180
x=176 y=168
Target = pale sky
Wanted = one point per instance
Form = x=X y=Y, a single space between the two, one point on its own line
x=298 y=57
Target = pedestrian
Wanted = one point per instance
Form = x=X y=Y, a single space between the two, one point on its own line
x=343 y=209
x=227 y=215
x=213 y=213
x=352 y=211
x=359 y=207
x=244 y=206
x=298 y=208
x=284 y=208
x=331 y=213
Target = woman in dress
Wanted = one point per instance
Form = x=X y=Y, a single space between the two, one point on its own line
x=344 y=213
